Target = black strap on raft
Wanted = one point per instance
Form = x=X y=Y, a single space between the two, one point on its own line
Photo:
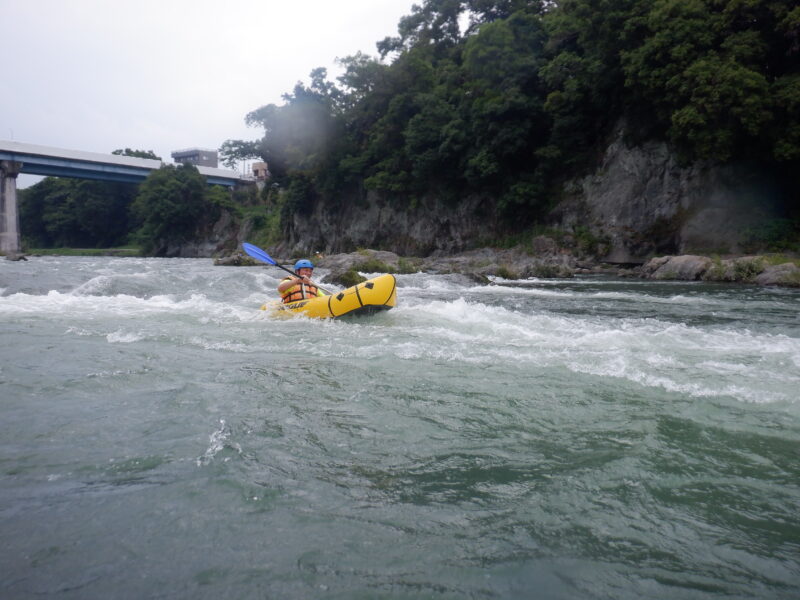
x=360 y=301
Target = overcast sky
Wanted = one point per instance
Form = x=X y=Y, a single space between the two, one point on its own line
x=161 y=75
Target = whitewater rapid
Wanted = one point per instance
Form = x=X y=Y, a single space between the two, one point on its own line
x=593 y=438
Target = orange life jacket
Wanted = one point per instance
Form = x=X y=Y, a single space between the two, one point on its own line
x=299 y=292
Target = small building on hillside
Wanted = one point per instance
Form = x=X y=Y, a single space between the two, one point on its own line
x=200 y=157
x=260 y=171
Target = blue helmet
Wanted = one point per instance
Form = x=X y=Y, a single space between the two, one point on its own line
x=303 y=264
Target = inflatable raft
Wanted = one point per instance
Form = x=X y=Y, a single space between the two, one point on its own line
x=373 y=295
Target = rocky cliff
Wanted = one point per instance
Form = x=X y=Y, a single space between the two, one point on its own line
x=220 y=239
x=642 y=201
x=429 y=227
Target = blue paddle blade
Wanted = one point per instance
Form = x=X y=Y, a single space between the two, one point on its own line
x=258 y=253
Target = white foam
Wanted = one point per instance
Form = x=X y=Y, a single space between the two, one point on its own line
x=105 y=283
x=676 y=357
x=217 y=441
x=124 y=337
x=440 y=320
x=58 y=305
x=227 y=345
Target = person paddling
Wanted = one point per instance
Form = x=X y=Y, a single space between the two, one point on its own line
x=300 y=287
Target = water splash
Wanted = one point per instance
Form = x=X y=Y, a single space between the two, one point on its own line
x=218 y=441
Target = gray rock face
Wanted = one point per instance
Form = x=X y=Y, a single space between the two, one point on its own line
x=640 y=202
x=427 y=228
x=644 y=202
x=226 y=235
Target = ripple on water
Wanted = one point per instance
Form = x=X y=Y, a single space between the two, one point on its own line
x=590 y=438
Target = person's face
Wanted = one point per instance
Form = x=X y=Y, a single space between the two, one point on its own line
x=304 y=272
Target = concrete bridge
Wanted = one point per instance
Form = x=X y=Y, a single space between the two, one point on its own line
x=17 y=157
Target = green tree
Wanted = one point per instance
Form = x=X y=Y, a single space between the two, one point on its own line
x=719 y=75
x=172 y=205
x=75 y=213
x=233 y=151
x=137 y=153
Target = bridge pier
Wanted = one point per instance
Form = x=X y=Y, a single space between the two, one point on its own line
x=9 y=215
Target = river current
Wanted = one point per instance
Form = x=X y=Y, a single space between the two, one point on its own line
x=591 y=438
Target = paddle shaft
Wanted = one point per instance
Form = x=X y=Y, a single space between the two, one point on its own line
x=259 y=254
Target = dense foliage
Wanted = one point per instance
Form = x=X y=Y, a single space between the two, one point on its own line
x=173 y=203
x=171 y=206
x=58 y=213
x=76 y=213
x=507 y=98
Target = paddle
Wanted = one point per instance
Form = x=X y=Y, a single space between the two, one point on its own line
x=259 y=254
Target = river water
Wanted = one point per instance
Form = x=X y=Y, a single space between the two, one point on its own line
x=590 y=438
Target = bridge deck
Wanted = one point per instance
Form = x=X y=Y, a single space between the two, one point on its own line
x=60 y=162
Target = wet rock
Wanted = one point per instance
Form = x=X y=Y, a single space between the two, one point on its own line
x=786 y=274
x=505 y=263
x=551 y=261
x=548 y=269
x=237 y=260
x=364 y=260
x=743 y=269
x=683 y=268
x=478 y=278
x=345 y=278
x=15 y=256
x=654 y=264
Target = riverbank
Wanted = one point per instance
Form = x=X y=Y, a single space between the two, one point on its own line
x=543 y=260
x=549 y=262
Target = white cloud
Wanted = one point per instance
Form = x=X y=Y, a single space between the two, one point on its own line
x=160 y=75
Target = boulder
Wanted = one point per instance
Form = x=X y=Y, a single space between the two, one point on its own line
x=370 y=260
x=346 y=279
x=478 y=278
x=654 y=264
x=786 y=274
x=743 y=269
x=548 y=269
x=236 y=260
x=505 y=263
x=684 y=268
